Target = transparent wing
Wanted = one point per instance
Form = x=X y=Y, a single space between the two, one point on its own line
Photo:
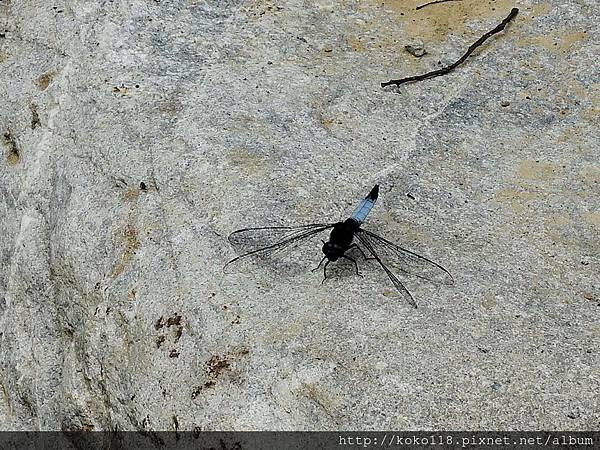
x=362 y=237
x=265 y=240
x=404 y=260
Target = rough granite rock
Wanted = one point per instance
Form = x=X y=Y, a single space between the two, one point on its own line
x=138 y=134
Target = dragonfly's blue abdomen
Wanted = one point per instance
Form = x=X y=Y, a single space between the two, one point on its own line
x=362 y=210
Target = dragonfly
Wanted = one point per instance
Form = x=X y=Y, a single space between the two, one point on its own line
x=345 y=236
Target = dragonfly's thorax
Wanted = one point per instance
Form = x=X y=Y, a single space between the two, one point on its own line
x=340 y=239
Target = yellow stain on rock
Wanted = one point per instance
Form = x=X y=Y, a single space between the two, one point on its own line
x=132 y=244
x=355 y=44
x=593 y=219
x=558 y=220
x=555 y=42
x=435 y=22
x=572 y=134
x=568 y=40
x=591 y=174
x=515 y=199
x=536 y=170
x=250 y=162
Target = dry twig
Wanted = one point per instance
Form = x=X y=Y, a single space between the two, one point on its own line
x=433 y=3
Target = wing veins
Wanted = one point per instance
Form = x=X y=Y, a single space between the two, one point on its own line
x=403 y=252
x=297 y=228
x=395 y=281
x=298 y=233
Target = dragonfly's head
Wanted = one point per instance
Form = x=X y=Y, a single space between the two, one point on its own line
x=332 y=251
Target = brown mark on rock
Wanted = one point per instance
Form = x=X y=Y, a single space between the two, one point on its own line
x=131 y=246
x=13 y=156
x=45 y=79
x=172 y=321
x=35 y=117
x=216 y=366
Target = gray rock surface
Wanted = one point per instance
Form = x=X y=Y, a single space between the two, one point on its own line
x=114 y=309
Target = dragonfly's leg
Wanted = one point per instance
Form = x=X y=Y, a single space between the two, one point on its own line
x=355 y=265
x=361 y=251
x=316 y=268
x=325 y=271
